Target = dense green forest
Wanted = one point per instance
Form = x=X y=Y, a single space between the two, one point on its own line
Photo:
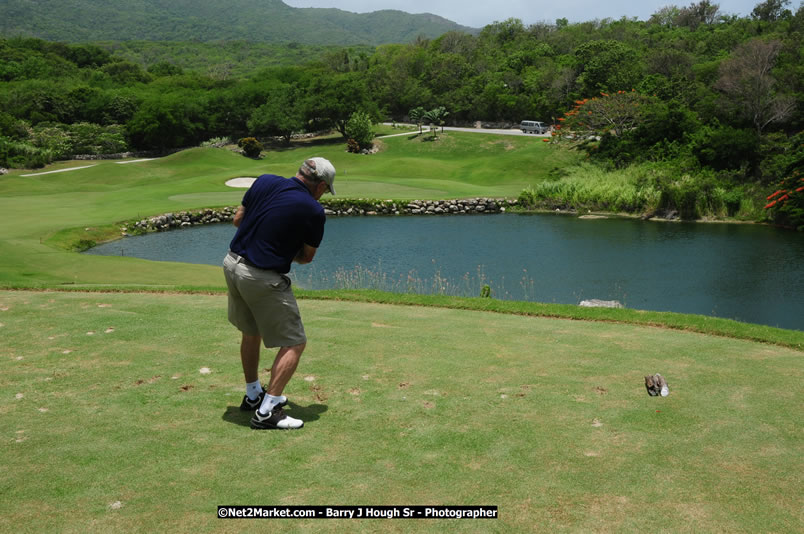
x=708 y=106
x=268 y=21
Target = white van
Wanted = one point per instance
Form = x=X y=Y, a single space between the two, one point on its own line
x=535 y=127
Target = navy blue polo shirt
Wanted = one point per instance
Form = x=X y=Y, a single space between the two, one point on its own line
x=281 y=215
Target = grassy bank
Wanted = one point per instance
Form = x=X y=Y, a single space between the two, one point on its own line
x=120 y=412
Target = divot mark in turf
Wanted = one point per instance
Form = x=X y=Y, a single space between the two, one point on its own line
x=43 y=410
x=18 y=358
x=66 y=351
x=186 y=387
x=318 y=393
x=354 y=391
x=404 y=385
x=309 y=378
x=428 y=405
x=115 y=505
x=601 y=390
x=205 y=370
x=19 y=396
x=4 y=308
x=596 y=423
x=591 y=454
x=109 y=330
x=149 y=381
x=104 y=305
x=91 y=333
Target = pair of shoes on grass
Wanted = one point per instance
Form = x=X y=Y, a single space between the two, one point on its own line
x=275 y=419
x=656 y=385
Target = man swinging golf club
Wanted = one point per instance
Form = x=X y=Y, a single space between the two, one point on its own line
x=280 y=221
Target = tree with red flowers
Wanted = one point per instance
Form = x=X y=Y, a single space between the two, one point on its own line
x=786 y=205
x=613 y=113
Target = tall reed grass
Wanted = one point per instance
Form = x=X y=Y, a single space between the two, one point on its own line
x=412 y=282
x=642 y=189
x=587 y=186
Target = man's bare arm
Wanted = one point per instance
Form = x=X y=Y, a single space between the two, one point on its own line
x=305 y=254
x=238 y=216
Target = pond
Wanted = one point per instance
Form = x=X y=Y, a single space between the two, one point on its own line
x=746 y=272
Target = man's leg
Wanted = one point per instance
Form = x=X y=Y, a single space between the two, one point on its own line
x=268 y=415
x=250 y=357
x=285 y=363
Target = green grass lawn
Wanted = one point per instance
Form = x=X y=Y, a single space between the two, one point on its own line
x=109 y=424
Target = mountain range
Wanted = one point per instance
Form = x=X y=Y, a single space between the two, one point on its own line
x=270 y=21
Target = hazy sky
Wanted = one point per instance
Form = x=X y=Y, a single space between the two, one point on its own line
x=479 y=13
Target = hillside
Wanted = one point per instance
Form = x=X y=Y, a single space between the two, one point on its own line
x=206 y=20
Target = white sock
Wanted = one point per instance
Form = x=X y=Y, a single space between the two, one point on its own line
x=253 y=390
x=270 y=402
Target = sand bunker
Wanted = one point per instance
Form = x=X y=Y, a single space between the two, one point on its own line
x=244 y=182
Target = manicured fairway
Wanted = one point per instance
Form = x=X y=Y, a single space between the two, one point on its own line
x=110 y=422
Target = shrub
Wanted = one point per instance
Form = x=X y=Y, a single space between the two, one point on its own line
x=216 y=142
x=724 y=147
x=251 y=147
x=359 y=129
x=88 y=138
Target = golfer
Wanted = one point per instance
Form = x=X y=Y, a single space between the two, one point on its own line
x=280 y=221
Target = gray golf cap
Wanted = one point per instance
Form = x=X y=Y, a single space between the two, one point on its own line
x=321 y=169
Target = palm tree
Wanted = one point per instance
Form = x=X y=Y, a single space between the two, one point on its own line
x=436 y=116
x=417 y=116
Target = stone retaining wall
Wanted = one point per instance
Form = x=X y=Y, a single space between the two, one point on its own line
x=336 y=208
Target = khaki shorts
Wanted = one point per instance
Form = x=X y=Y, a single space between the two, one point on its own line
x=262 y=303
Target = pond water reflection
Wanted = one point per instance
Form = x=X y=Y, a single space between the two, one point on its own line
x=746 y=272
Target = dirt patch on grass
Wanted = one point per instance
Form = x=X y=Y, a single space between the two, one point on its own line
x=148 y=381
x=318 y=393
